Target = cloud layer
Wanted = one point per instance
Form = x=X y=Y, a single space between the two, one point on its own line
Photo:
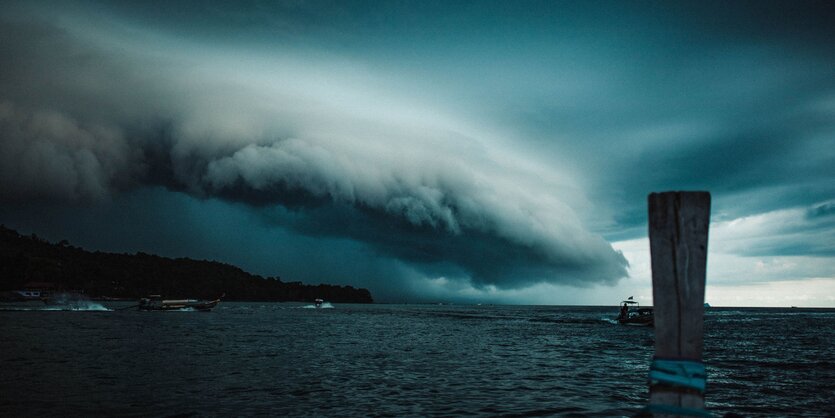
x=332 y=155
x=474 y=150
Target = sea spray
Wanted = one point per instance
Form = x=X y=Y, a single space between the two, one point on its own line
x=77 y=306
x=326 y=305
x=66 y=301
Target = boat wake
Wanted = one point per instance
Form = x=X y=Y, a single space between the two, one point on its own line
x=609 y=320
x=79 y=306
x=71 y=301
x=82 y=307
x=326 y=305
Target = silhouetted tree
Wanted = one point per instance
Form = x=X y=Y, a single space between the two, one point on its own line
x=30 y=258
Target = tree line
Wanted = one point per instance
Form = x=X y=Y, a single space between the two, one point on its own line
x=27 y=259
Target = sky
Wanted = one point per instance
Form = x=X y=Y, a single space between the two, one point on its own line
x=465 y=152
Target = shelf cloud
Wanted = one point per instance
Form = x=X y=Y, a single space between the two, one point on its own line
x=331 y=162
x=487 y=151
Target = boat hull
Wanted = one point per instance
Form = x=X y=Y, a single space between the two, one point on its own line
x=179 y=305
x=644 y=321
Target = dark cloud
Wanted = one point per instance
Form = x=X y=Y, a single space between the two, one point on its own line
x=487 y=143
x=824 y=210
x=752 y=124
x=487 y=259
x=806 y=23
x=46 y=154
x=82 y=120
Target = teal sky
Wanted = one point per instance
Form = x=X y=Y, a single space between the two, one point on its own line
x=473 y=152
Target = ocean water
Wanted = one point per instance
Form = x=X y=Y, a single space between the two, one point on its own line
x=270 y=359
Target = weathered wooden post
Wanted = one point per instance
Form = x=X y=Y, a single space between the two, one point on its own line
x=678 y=229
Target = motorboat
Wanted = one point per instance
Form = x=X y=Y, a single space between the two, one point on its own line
x=631 y=313
x=157 y=303
x=318 y=302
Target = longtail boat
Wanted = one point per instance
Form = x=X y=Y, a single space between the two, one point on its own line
x=157 y=303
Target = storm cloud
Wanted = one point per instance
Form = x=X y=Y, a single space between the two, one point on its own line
x=474 y=150
x=82 y=120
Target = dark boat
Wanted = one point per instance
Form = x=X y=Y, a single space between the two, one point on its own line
x=157 y=303
x=631 y=313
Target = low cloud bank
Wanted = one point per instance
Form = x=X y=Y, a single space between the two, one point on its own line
x=320 y=153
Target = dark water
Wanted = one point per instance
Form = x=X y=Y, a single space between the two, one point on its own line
x=397 y=360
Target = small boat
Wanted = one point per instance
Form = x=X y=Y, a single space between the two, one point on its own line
x=631 y=313
x=33 y=291
x=157 y=303
x=318 y=302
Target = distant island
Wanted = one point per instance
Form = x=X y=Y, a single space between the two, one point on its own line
x=63 y=267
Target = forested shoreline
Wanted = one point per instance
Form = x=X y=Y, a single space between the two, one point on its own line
x=27 y=259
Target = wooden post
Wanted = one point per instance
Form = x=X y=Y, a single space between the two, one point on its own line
x=678 y=229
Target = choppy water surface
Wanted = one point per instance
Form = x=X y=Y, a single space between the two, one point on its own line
x=396 y=360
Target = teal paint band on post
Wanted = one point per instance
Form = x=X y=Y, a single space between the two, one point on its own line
x=677 y=410
x=679 y=373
